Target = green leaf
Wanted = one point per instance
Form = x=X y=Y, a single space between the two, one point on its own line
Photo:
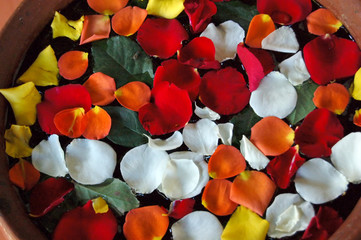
x=237 y=11
x=126 y=129
x=304 y=102
x=123 y=59
x=243 y=122
x=114 y=191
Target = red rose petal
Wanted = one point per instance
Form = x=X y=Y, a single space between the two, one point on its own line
x=84 y=223
x=224 y=91
x=328 y=58
x=169 y=110
x=161 y=37
x=47 y=195
x=60 y=98
x=199 y=53
x=180 y=208
x=285 y=12
x=283 y=167
x=183 y=76
x=319 y=131
x=199 y=13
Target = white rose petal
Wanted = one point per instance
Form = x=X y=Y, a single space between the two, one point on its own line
x=173 y=142
x=346 y=156
x=201 y=137
x=196 y=226
x=90 y=161
x=288 y=214
x=282 y=39
x=206 y=113
x=317 y=181
x=294 y=68
x=48 y=157
x=226 y=36
x=226 y=133
x=275 y=96
x=143 y=168
x=255 y=158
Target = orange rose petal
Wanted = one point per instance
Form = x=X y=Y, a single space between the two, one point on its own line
x=322 y=21
x=260 y=26
x=95 y=27
x=98 y=123
x=73 y=64
x=146 y=223
x=334 y=97
x=128 y=20
x=107 y=7
x=253 y=190
x=272 y=136
x=101 y=88
x=24 y=175
x=227 y=161
x=133 y=95
x=71 y=122
x=357 y=118
x=216 y=197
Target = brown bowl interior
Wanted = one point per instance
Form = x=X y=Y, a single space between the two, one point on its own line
x=27 y=22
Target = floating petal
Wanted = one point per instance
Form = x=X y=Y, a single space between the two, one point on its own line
x=71 y=122
x=260 y=27
x=317 y=181
x=206 y=112
x=73 y=64
x=96 y=27
x=128 y=20
x=334 y=97
x=255 y=158
x=166 y=9
x=133 y=95
x=107 y=7
x=282 y=39
x=24 y=175
x=322 y=21
x=17 y=141
x=100 y=205
x=357 y=118
x=294 y=68
x=173 y=142
x=179 y=208
x=101 y=88
x=62 y=27
x=99 y=123
x=355 y=88
x=226 y=132
x=199 y=13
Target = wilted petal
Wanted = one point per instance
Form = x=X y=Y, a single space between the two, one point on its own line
x=197 y=225
x=96 y=27
x=275 y=96
x=322 y=21
x=201 y=137
x=48 y=157
x=226 y=133
x=345 y=157
x=143 y=168
x=17 y=141
x=226 y=36
x=294 y=68
x=62 y=27
x=255 y=158
x=334 y=97
x=206 y=112
x=317 y=181
x=282 y=39
x=90 y=161
x=166 y=9
x=288 y=214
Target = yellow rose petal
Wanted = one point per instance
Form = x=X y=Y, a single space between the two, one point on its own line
x=355 y=88
x=165 y=8
x=17 y=141
x=100 y=205
x=62 y=27
x=23 y=100
x=246 y=225
x=44 y=70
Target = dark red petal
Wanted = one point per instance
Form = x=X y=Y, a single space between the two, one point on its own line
x=323 y=225
x=170 y=109
x=283 y=167
x=161 y=37
x=329 y=58
x=285 y=12
x=47 y=195
x=199 y=13
x=183 y=76
x=224 y=91
x=252 y=65
x=60 y=98
x=199 y=53
x=180 y=208
x=319 y=131
x=84 y=223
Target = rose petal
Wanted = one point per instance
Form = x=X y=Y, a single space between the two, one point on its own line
x=206 y=113
x=199 y=13
x=95 y=27
x=71 y=122
x=294 y=68
x=226 y=133
x=107 y=7
x=255 y=158
x=179 y=208
x=128 y=20
x=99 y=123
x=133 y=95
x=260 y=27
x=17 y=141
x=317 y=181
x=101 y=88
x=90 y=161
x=282 y=39
x=355 y=88
x=357 y=118
x=334 y=97
x=73 y=64
x=322 y=21
x=166 y=9
x=62 y=27
x=24 y=175
x=173 y=142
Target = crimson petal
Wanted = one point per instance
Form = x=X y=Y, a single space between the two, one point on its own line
x=84 y=223
x=170 y=109
x=183 y=76
x=285 y=12
x=47 y=195
x=180 y=208
x=283 y=167
x=319 y=131
x=161 y=37
x=199 y=13
x=328 y=58
x=224 y=91
x=199 y=53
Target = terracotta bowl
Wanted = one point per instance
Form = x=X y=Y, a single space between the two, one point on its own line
x=26 y=23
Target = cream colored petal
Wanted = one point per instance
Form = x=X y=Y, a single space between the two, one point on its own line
x=282 y=39
x=294 y=68
x=173 y=142
x=255 y=158
x=206 y=113
x=226 y=132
